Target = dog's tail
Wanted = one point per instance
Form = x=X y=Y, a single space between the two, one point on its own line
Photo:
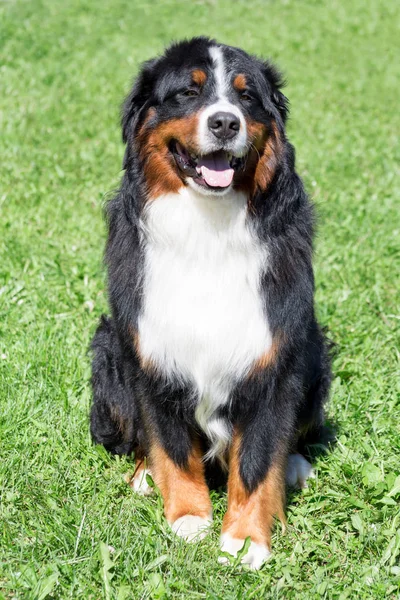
x=114 y=414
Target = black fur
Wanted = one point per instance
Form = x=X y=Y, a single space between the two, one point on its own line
x=275 y=409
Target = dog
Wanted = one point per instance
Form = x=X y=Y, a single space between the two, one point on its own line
x=212 y=356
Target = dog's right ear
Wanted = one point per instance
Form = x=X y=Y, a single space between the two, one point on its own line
x=137 y=99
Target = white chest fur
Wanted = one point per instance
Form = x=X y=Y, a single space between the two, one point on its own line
x=202 y=318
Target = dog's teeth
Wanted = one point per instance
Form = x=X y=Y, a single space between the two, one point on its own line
x=193 y=156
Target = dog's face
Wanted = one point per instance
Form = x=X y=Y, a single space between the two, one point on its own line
x=205 y=115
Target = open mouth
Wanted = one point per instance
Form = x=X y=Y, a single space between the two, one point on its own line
x=214 y=171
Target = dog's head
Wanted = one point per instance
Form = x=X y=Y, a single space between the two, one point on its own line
x=205 y=115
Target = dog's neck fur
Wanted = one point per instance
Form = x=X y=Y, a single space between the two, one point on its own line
x=202 y=317
x=191 y=221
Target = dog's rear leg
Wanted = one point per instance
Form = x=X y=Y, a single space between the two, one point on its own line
x=311 y=427
x=114 y=417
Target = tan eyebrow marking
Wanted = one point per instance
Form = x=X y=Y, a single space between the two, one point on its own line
x=240 y=83
x=199 y=77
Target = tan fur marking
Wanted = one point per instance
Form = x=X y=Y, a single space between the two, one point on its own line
x=240 y=83
x=266 y=359
x=257 y=134
x=136 y=340
x=145 y=363
x=252 y=514
x=159 y=166
x=268 y=162
x=184 y=491
x=265 y=150
x=199 y=77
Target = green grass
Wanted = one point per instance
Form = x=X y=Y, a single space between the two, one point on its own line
x=71 y=528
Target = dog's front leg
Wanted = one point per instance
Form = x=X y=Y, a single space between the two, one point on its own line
x=187 y=504
x=252 y=506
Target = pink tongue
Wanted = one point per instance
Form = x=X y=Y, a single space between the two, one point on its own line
x=215 y=169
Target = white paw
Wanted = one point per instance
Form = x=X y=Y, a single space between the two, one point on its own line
x=191 y=528
x=255 y=556
x=139 y=483
x=298 y=471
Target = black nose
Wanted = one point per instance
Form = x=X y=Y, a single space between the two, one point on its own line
x=224 y=125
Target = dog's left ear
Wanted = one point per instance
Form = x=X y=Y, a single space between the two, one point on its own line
x=276 y=82
x=137 y=99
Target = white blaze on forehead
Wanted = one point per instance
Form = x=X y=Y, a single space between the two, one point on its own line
x=222 y=104
x=219 y=72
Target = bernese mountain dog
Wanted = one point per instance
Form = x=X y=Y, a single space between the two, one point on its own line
x=213 y=356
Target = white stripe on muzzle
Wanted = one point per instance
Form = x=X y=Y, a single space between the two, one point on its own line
x=207 y=140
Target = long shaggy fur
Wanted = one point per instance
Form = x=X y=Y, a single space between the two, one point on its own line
x=152 y=389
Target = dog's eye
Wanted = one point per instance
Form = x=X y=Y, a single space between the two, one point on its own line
x=190 y=93
x=245 y=97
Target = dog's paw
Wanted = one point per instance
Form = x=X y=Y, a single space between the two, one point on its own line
x=139 y=483
x=255 y=556
x=191 y=528
x=298 y=471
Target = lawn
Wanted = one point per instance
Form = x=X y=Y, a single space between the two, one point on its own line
x=70 y=526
